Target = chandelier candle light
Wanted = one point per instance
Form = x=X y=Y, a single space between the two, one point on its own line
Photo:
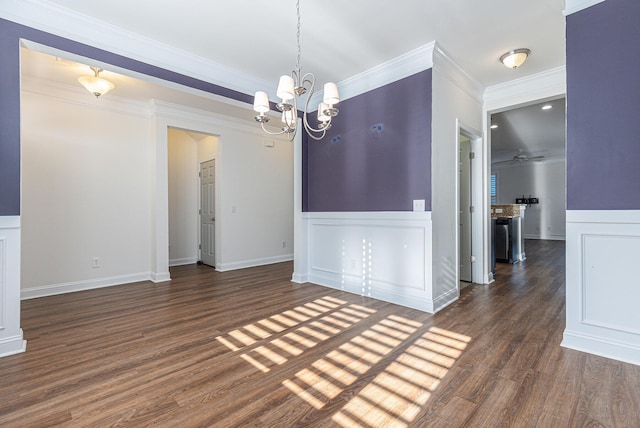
x=290 y=88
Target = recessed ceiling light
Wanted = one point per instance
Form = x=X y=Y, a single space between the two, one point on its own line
x=494 y=126
x=547 y=107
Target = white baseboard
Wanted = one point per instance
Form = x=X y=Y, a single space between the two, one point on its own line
x=546 y=237
x=70 y=287
x=183 y=261
x=223 y=267
x=445 y=300
x=156 y=277
x=12 y=345
x=299 y=278
x=603 y=347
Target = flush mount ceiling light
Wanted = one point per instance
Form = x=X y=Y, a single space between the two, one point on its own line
x=547 y=107
x=515 y=58
x=494 y=126
x=290 y=88
x=96 y=84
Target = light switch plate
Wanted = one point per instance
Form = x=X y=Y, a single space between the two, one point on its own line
x=418 y=205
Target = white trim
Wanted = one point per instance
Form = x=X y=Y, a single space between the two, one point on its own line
x=223 y=267
x=604 y=216
x=177 y=112
x=183 y=261
x=600 y=283
x=51 y=18
x=71 y=287
x=602 y=346
x=12 y=345
x=406 y=65
x=159 y=277
x=546 y=237
x=10 y=222
x=456 y=74
x=550 y=83
x=573 y=6
x=370 y=215
x=11 y=335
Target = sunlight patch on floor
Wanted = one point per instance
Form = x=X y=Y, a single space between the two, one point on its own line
x=340 y=368
x=396 y=396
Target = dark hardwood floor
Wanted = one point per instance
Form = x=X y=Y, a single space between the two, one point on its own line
x=249 y=348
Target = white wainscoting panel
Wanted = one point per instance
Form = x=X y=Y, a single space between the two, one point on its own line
x=383 y=255
x=603 y=288
x=11 y=337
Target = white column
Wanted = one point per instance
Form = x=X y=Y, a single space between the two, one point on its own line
x=11 y=338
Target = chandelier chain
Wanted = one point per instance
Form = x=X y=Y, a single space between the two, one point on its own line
x=298 y=36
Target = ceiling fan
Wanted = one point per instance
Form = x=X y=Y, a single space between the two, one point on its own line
x=520 y=158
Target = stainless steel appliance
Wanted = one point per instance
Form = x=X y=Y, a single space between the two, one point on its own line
x=507 y=246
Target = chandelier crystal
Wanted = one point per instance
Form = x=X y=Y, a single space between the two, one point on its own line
x=290 y=89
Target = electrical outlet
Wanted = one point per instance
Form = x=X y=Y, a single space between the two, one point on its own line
x=95 y=262
x=284 y=244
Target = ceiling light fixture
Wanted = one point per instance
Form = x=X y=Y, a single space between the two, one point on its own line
x=494 y=126
x=547 y=107
x=515 y=58
x=290 y=88
x=96 y=84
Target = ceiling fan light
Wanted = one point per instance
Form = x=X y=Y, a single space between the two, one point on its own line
x=515 y=58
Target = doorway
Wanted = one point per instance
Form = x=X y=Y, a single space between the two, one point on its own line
x=465 y=208
x=208 y=212
x=190 y=204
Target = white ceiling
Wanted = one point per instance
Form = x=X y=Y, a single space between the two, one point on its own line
x=529 y=130
x=343 y=38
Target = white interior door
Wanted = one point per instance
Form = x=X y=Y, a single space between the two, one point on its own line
x=466 y=208
x=208 y=212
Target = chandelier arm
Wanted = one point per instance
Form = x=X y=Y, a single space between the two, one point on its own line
x=309 y=77
x=271 y=133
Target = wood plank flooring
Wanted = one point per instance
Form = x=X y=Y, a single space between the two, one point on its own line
x=249 y=348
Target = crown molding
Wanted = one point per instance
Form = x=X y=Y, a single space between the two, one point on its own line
x=456 y=74
x=405 y=65
x=573 y=6
x=51 y=18
x=550 y=83
x=170 y=110
x=75 y=94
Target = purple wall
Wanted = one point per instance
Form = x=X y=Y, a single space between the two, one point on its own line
x=603 y=107
x=377 y=155
x=10 y=35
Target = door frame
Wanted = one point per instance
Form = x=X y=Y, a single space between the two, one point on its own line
x=477 y=195
x=165 y=117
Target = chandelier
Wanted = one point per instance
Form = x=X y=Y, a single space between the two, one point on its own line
x=292 y=87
